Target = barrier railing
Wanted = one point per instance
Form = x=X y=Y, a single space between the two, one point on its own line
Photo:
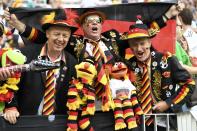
x=35 y=123
x=185 y=122
x=165 y=116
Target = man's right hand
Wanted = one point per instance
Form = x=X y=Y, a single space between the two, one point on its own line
x=13 y=21
x=11 y=115
x=5 y=74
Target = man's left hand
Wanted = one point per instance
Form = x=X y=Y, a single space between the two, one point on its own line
x=161 y=106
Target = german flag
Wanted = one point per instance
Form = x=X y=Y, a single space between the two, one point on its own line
x=117 y=15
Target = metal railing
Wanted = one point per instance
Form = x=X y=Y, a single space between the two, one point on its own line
x=166 y=116
x=184 y=122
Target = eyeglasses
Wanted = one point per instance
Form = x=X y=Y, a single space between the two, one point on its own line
x=93 y=19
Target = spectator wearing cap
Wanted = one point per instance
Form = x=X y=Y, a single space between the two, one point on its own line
x=30 y=99
x=103 y=49
x=157 y=75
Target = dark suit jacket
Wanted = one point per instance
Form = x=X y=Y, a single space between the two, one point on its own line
x=166 y=75
x=81 y=43
x=31 y=86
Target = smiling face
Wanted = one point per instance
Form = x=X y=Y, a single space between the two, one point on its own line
x=140 y=48
x=92 y=27
x=58 y=38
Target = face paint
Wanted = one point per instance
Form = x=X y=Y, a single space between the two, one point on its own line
x=93 y=19
x=92 y=27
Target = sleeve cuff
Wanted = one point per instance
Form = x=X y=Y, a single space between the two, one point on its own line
x=170 y=103
x=160 y=21
x=27 y=31
x=10 y=108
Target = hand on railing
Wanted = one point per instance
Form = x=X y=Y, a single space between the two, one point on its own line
x=161 y=106
x=11 y=115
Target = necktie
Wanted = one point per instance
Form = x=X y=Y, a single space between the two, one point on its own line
x=146 y=96
x=101 y=77
x=96 y=53
x=49 y=100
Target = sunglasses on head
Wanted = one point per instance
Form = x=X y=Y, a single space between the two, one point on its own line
x=93 y=19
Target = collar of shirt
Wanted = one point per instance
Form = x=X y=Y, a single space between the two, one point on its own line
x=90 y=47
x=147 y=64
x=43 y=53
x=102 y=38
x=93 y=42
x=62 y=57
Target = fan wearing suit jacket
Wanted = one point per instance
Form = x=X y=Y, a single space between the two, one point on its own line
x=30 y=99
x=162 y=84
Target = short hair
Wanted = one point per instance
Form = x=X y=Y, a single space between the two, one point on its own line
x=186 y=16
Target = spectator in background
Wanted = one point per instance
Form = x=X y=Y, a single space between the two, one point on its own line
x=182 y=53
x=94 y=3
x=41 y=3
x=116 y=2
x=55 y=3
x=186 y=17
x=181 y=41
x=106 y=2
x=22 y=3
x=4 y=74
x=124 y=1
x=1 y=34
x=71 y=3
x=65 y=3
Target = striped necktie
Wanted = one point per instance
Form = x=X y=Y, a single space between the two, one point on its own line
x=49 y=93
x=146 y=95
x=96 y=53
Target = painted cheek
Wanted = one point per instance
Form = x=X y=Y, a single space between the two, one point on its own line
x=140 y=48
x=134 y=49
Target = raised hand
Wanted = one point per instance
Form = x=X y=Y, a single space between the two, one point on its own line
x=13 y=21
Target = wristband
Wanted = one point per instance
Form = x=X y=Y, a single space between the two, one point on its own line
x=166 y=17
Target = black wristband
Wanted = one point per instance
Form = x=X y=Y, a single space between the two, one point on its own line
x=166 y=17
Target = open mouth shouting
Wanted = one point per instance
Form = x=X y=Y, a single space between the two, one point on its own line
x=94 y=29
x=140 y=54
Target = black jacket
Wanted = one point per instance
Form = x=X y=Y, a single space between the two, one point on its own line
x=31 y=87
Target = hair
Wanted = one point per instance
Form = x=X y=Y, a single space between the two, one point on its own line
x=186 y=16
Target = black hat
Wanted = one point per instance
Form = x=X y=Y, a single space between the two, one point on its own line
x=63 y=17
